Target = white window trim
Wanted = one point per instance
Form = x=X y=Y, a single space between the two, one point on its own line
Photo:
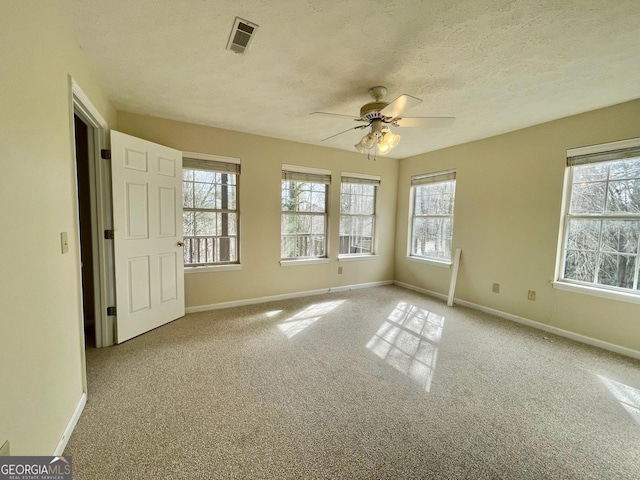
x=225 y=266
x=430 y=261
x=287 y=262
x=354 y=257
x=374 y=240
x=213 y=268
x=596 y=292
x=296 y=262
x=567 y=285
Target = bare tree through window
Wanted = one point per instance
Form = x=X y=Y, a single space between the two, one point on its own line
x=210 y=216
x=432 y=215
x=603 y=224
x=304 y=216
x=357 y=215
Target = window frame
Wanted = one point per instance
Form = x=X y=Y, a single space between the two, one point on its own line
x=593 y=154
x=360 y=179
x=306 y=175
x=423 y=180
x=218 y=164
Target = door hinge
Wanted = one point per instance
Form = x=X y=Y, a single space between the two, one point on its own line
x=105 y=154
x=111 y=311
x=108 y=234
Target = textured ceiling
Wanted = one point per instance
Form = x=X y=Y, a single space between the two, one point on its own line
x=496 y=65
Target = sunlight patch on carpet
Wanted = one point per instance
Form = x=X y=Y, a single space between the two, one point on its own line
x=628 y=397
x=408 y=341
x=303 y=319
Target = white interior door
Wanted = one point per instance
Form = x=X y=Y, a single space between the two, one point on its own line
x=147 y=223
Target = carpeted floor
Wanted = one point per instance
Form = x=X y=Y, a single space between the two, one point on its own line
x=369 y=384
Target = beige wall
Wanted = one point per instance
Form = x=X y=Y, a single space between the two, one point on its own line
x=507 y=214
x=262 y=158
x=40 y=324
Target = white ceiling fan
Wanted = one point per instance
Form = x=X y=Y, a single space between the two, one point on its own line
x=380 y=116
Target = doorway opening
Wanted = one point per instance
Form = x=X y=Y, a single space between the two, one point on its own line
x=83 y=133
x=93 y=189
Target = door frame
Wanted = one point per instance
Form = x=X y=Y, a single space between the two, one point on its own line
x=101 y=217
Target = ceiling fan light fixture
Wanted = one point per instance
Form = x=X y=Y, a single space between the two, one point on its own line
x=380 y=115
x=368 y=141
x=392 y=139
x=383 y=148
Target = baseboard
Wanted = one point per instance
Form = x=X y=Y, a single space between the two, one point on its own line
x=531 y=323
x=70 y=426
x=408 y=286
x=285 y=296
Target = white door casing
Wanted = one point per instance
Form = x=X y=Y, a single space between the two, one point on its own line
x=147 y=221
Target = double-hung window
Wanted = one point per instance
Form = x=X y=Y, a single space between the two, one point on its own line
x=601 y=235
x=304 y=212
x=210 y=209
x=357 y=213
x=433 y=198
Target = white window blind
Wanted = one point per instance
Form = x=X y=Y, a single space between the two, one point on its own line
x=211 y=165
x=360 y=179
x=295 y=176
x=433 y=177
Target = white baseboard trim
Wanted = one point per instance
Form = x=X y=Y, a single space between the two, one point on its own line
x=408 y=286
x=285 y=296
x=628 y=352
x=70 y=426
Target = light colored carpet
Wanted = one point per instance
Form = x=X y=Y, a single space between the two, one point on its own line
x=375 y=383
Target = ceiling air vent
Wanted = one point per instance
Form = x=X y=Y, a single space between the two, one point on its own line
x=241 y=35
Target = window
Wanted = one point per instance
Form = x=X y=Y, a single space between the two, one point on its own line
x=210 y=210
x=433 y=197
x=602 y=219
x=357 y=213
x=304 y=212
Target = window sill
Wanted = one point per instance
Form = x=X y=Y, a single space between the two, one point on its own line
x=213 y=268
x=303 y=261
x=430 y=261
x=597 y=292
x=355 y=257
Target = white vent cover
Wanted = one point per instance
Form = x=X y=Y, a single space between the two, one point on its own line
x=241 y=35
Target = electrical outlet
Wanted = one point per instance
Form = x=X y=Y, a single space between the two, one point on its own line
x=4 y=450
x=339 y=270
x=532 y=295
x=496 y=288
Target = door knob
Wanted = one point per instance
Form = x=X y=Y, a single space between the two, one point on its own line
x=181 y=244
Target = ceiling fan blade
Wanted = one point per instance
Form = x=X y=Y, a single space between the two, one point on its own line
x=347 y=130
x=399 y=105
x=431 y=122
x=336 y=115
